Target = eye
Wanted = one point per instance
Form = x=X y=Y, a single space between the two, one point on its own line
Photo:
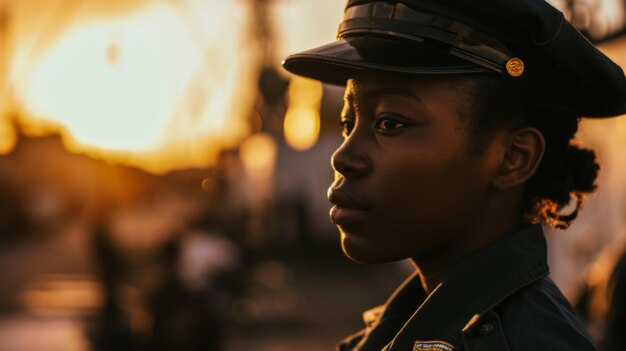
x=386 y=123
x=346 y=127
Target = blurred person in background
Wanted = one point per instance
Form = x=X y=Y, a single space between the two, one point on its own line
x=602 y=301
x=111 y=328
x=614 y=337
x=189 y=306
x=458 y=125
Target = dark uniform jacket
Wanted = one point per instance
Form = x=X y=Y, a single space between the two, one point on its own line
x=498 y=299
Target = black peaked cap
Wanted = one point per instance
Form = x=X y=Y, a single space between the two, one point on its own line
x=528 y=41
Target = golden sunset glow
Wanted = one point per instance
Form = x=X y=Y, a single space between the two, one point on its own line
x=110 y=83
x=156 y=87
x=258 y=155
x=8 y=138
x=302 y=121
x=302 y=126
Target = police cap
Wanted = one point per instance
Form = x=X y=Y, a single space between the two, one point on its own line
x=528 y=41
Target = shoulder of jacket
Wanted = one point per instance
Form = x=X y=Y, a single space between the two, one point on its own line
x=537 y=318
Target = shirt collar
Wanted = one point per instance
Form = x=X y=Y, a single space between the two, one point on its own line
x=474 y=286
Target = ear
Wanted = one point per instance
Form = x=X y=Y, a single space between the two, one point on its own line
x=524 y=152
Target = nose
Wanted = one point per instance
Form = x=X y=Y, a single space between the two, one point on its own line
x=350 y=159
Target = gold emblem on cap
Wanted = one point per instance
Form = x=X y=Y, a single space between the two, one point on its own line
x=515 y=67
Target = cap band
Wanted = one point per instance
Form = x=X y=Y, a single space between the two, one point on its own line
x=401 y=21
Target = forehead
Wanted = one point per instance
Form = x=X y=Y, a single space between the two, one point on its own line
x=431 y=97
x=370 y=84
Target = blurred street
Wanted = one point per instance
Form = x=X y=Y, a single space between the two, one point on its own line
x=331 y=293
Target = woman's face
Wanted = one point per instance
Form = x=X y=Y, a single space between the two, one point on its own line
x=408 y=179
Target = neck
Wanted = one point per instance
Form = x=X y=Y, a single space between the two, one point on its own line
x=494 y=222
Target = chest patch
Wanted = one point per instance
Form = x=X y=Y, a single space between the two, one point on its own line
x=432 y=346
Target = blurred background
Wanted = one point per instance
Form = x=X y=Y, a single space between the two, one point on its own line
x=163 y=180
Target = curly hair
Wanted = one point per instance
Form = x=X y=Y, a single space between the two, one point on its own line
x=567 y=171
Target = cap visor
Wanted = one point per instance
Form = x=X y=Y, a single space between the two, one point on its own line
x=336 y=62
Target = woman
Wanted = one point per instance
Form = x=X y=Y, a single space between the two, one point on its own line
x=458 y=121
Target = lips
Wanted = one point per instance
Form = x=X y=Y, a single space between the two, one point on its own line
x=347 y=209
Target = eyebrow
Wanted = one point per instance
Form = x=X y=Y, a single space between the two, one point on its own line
x=377 y=92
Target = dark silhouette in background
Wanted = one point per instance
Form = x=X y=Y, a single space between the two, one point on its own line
x=111 y=328
x=183 y=319
x=615 y=334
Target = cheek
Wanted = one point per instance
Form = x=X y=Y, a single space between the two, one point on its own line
x=418 y=181
x=420 y=206
x=406 y=222
x=430 y=193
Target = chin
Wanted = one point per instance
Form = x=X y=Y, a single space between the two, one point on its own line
x=362 y=251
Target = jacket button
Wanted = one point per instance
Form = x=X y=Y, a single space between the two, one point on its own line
x=486 y=328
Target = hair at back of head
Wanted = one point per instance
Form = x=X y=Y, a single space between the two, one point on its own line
x=567 y=172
